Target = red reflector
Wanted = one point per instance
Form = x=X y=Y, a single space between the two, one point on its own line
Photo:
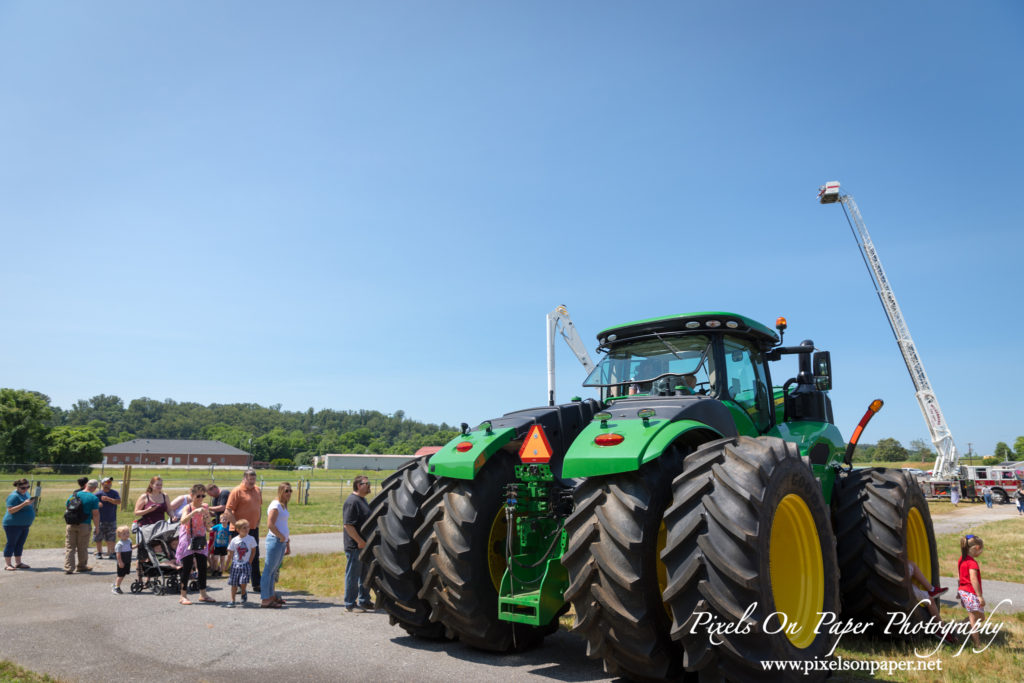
x=464 y=446
x=608 y=439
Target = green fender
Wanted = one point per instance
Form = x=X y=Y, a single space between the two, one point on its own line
x=643 y=441
x=449 y=462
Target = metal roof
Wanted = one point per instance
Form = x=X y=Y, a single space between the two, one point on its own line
x=174 y=447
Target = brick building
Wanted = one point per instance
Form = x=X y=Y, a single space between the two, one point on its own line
x=175 y=452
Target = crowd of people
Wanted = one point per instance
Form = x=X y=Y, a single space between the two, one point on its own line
x=225 y=526
x=217 y=532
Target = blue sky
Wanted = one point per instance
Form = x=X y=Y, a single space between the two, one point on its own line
x=373 y=205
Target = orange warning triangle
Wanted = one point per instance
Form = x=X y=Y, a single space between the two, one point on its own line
x=536 y=447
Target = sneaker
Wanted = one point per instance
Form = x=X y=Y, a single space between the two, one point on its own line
x=245 y=597
x=117 y=590
x=356 y=609
x=230 y=604
x=69 y=571
x=368 y=607
x=936 y=591
x=84 y=569
x=99 y=556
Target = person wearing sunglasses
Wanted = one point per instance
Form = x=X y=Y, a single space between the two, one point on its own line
x=19 y=517
x=278 y=545
x=354 y=513
x=246 y=502
x=192 y=546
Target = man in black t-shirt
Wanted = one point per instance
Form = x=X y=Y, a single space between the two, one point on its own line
x=356 y=511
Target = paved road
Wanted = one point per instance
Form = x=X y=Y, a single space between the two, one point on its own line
x=73 y=627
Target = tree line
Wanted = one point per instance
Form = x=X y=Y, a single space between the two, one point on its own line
x=891 y=450
x=33 y=431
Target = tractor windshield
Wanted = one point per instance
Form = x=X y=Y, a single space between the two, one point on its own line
x=663 y=366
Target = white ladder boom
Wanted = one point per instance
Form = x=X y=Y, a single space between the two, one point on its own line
x=946 y=464
x=559 y=322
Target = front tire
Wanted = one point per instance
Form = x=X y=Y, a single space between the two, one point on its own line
x=882 y=521
x=749 y=534
x=616 y=577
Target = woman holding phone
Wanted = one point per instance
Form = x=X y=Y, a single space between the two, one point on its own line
x=192 y=545
x=19 y=517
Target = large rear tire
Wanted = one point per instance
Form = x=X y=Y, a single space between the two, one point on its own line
x=749 y=535
x=616 y=577
x=391 y=549
x=882 y=521
x=462 y=561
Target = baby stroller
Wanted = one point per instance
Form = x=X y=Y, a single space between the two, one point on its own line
x=155 y=545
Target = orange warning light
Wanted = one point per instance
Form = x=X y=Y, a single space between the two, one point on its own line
x=535 y=448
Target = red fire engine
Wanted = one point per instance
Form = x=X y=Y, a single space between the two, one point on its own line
x=1004 y=482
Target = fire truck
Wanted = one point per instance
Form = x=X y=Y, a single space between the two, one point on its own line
x=1004 y=479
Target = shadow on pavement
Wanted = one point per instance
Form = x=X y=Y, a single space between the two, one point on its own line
x=561 y=657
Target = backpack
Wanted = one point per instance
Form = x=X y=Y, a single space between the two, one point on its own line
x=73 y=512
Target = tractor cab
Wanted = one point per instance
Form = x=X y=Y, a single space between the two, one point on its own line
x=696 y=356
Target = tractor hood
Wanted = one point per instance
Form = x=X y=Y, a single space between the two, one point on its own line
x=598 y=451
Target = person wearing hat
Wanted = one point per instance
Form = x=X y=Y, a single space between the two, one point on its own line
x=106 y=530
x=76 y=536
x=246 y=502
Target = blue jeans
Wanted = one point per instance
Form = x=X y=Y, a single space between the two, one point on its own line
x=275 y=556
x=988 y=499
x=16 y=536
x=355 y=592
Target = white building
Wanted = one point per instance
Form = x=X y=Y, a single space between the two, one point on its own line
x=353 y=461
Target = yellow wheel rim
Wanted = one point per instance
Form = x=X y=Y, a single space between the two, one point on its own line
x=496 y=562
x=659 y=566
x=918 y=550
x=796 y=569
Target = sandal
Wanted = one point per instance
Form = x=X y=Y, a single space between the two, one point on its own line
x=22 y=566
x=9 y=568
x=207 y=599
x=184 y=601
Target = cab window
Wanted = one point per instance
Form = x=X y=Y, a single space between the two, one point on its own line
x=748 y=383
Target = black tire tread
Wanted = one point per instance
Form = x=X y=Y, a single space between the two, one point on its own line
x=612 y=584
x=391 y=549
x=870 y=513
x=452 y=561
x=715 y=529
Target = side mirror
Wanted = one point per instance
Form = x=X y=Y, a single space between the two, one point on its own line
x=822 y=370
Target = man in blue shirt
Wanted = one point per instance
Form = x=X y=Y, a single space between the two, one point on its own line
x=76 y=536
x=107 y=529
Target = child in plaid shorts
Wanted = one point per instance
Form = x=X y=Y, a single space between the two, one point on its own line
x=240 y=554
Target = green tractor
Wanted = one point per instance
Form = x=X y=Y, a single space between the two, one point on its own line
x=695 y=519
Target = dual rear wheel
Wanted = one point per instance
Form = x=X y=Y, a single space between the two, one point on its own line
x=660 y=559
